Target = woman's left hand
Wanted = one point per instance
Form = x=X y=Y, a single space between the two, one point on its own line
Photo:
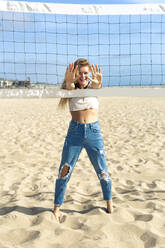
x=96 y=76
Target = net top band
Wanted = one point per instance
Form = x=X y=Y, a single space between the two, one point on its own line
x=82 y=9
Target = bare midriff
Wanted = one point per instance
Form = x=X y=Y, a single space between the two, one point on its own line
x=85 y=116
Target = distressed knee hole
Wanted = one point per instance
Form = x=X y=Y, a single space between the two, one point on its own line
x=103 y=175
x=101 y=152
x=64 y=171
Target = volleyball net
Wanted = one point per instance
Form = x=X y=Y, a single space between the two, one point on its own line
x=39 y=40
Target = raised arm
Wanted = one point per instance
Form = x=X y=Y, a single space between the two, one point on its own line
x=70 y=77
x=96 y=79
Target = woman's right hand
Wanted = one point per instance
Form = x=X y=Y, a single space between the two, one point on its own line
x=70 y=76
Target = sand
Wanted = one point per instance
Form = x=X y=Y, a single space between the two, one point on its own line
x=32 y=136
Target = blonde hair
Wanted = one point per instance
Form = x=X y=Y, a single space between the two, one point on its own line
x=80 y=62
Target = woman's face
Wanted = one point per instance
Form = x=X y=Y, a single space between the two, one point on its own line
x=84 y=73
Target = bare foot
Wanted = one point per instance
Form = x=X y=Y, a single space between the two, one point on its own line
x=109 y=207
x=58 y=216
x=57 y=213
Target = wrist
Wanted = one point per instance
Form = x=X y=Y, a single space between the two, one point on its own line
x=70 y=85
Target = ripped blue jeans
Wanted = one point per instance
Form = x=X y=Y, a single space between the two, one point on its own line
x=79 y=136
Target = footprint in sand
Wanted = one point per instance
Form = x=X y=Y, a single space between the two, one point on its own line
x=129 y=182
x=37 y=220
x=32 y=235
x=143 y=217
x=152 y=185
x=151 y=205
x=149 y=240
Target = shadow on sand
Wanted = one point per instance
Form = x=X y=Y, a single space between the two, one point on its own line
x=38 y=210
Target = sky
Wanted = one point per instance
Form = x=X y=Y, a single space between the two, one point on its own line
x=129 y=49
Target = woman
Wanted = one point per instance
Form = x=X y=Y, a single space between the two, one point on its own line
x=83 y=132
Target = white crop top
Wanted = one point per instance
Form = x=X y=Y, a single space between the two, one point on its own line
x=81 y=103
